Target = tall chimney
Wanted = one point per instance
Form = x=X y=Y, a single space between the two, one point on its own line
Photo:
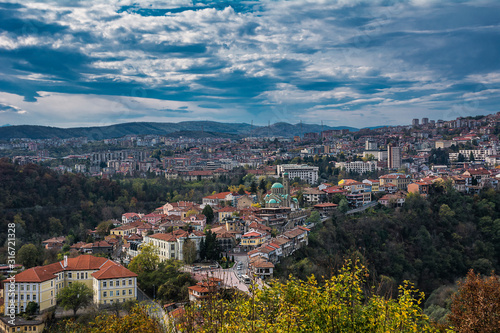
x=65 y=261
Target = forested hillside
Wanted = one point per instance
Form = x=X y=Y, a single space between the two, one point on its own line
x=45 y=203
x=430 y=242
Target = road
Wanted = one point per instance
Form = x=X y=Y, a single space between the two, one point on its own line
x=362 y=208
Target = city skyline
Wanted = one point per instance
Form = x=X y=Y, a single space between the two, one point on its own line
x=344 y=63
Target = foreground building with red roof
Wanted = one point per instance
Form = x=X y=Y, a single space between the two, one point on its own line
x=110 y=282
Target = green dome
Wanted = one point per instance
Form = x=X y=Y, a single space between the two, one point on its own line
x=277 y=185
x=272 y=201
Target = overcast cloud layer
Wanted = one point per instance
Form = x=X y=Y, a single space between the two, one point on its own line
x=355 y=63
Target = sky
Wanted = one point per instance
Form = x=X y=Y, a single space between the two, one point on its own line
x=70 y=63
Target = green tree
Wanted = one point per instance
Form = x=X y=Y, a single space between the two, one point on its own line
x=75 y=296
x=314 y=218
x=28 y=255
x=209 y=213
x=189 y=251
x=343 y=206
x=32 y=308
x=146 y=261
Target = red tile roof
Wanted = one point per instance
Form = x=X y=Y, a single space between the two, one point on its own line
x=113 y=272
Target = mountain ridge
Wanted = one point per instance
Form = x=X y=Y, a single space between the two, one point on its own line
x=144 y=128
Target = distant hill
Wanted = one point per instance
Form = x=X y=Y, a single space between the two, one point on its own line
x=185 y=128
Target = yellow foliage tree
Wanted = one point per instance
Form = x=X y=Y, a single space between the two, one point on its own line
x=341 y=304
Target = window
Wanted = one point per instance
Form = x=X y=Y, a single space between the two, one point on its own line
x=130 y=282
x=111 y=283
x=172 y=247
x=118 y=283
x=111 y=294
x=130 y=291
x=51 y=293
x=104 y=284
x=28 y=287
x=21 y=287
x=86 y=275
x=34 y=297
x=28 y=297
x=104 y=294
x=22 y=297
x=69 y=275
x=34 y=287
x=77 y=276
x=123 y=292
x=104 y=302
x=123 y=282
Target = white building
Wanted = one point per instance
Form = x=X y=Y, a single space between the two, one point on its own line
x=304 y=172
x=170 y=245
x=357 y=166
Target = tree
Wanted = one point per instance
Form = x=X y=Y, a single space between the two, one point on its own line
x=189 y=251
x=75 y=296
x=211 y=246
x=32 y=308
x=28 y=255
x=104 y=228
x=314 y=218
x=146 y=261
x=253 y=187
x=343 y=206
x=476 y=305
x=209 y=213
x=471 y=157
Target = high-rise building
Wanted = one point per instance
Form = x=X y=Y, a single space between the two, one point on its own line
x=371 y=145
x=393 y=157
x=425 y=121
x=304 y=172
x=414 y=122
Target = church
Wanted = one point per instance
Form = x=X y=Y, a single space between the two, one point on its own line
x=280 y=195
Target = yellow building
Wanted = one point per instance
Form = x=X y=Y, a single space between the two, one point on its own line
x=41 y=284
x=20 y=325
x=253 y=239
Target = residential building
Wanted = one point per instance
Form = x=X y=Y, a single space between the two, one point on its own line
x=399 y=180
x=19 y=324
x=306 y=173
x=170 y=245
x=358 y=166
x=41 y=284
x=393 y=157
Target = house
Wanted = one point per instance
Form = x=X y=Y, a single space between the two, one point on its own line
x=421 y=187
x=261 y=267
x=326 y=208
x=130 y=217
x=170 y=245
x=19 y=324
x=253 y=239
x=313 y=195
x=54 y=243
x=41 y=284
x=102 y=247
x=399 y=180
x=226 y=212
x=204 y=289
x=393 y=200
x=215 y=199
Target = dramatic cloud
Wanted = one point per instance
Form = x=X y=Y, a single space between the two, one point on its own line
x=356 y=63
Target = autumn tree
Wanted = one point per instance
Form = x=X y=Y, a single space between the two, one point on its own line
x=146 y=261
x=476 y=305
x=189 y=251
x=75 y=296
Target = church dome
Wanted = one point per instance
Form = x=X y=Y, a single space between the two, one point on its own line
x=272 y=201
x=277 y=185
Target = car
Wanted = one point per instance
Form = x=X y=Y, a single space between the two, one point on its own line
x=238 y=268
x=196 y=268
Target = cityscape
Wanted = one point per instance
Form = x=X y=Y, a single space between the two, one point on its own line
x=249 y=166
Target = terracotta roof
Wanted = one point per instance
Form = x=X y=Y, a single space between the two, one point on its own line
x=164 y=237
x=219 y=196
x=113 y=272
